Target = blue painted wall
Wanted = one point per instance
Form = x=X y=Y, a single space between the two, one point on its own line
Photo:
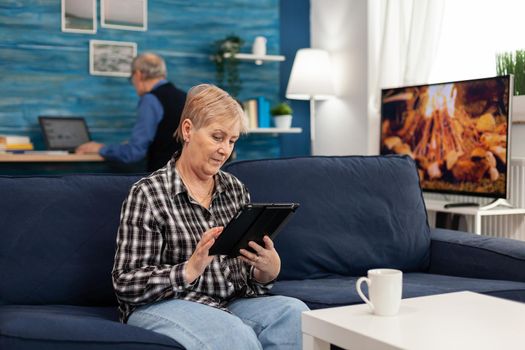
x=295 y=34
x=45 y=71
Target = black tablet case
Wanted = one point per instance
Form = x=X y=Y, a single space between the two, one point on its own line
x=252 y=223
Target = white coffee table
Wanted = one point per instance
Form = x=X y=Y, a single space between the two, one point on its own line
x=462 y=320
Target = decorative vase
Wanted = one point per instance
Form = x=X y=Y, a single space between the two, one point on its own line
x=282 y=121
x=259 y=46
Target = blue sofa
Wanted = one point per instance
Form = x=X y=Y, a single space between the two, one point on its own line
x=57 y=242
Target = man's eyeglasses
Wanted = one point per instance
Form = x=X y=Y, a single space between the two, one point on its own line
x=131 y=76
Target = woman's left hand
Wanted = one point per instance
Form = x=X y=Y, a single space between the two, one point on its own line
x=265 y=260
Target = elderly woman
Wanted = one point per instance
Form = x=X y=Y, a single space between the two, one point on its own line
x=164 y=278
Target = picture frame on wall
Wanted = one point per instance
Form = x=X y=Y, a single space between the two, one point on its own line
x=79 y=16
x=111 y=58
x=124 y=14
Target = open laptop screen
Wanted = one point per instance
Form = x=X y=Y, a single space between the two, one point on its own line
x=64 y=133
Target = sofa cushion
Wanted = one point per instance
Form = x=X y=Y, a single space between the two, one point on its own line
x=356 y=213
x=58 y=238
x=340 y=290
x=59 y=327
x=488 y=257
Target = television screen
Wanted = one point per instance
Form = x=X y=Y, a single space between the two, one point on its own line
x=457 y=132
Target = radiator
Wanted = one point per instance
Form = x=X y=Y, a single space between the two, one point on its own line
x=508 y=226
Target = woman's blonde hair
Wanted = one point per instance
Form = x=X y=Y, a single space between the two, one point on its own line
x=206 y=103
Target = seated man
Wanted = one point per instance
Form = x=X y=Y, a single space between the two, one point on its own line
x=158 y=114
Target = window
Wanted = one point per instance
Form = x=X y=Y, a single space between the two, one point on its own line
x=473 y=31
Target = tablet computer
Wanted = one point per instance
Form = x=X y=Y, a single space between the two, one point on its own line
x=251 y=223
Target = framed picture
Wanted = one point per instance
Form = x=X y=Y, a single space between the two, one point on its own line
x=79 y=16
x=124 y=14
x=111 y=58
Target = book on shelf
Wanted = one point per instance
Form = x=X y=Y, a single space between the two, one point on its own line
x=19 y=147
x=15 y=143
x=14 y=139
x=257 y=111
x=263 y=112
x=250 y=109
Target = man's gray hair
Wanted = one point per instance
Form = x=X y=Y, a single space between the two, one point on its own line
x=150 y=65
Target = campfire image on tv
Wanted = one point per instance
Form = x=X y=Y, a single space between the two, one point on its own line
x=456 y=133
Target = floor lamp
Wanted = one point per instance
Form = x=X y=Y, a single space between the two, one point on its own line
x=311 y=79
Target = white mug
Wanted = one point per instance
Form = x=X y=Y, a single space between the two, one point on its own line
x=259 y=46
x=385 y=287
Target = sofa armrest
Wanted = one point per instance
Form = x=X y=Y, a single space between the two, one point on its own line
x=463 y=254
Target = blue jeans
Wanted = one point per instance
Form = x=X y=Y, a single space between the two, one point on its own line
x=269 y=323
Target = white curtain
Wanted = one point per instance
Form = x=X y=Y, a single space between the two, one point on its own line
x=403 y=39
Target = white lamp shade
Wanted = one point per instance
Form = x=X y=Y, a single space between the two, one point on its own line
x=311 y=76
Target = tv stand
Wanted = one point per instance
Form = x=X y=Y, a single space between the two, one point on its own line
x=494 y=208
x=496 y=203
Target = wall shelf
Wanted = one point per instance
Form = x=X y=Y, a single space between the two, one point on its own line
x=257 y=58
x=275 y=131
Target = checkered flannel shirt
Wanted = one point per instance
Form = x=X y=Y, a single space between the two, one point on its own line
x=160 y=226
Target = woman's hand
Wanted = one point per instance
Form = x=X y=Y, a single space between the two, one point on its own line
x=266 y=261
x=200 y=258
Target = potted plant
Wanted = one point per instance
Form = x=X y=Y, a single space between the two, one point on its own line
x=226 y=68
x=514 y=63
x=282 y=115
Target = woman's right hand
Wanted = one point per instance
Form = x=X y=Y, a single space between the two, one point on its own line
x=200 y=258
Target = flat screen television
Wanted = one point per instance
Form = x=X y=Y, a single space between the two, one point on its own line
x=458 y=133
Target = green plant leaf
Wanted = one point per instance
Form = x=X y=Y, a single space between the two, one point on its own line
x=226 y=68
x=282 y=108
x=513 y=63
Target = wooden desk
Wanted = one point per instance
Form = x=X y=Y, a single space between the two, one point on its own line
x=52 y=164
x=25 y=158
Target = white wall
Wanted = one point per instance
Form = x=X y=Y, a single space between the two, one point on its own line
x=517 y=140
x=340 y=27
x=518 y=129
x=343 y=127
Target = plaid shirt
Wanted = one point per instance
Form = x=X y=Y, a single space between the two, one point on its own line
x=160 y=226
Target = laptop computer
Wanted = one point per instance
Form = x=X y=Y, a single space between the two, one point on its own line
x=64 y=133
